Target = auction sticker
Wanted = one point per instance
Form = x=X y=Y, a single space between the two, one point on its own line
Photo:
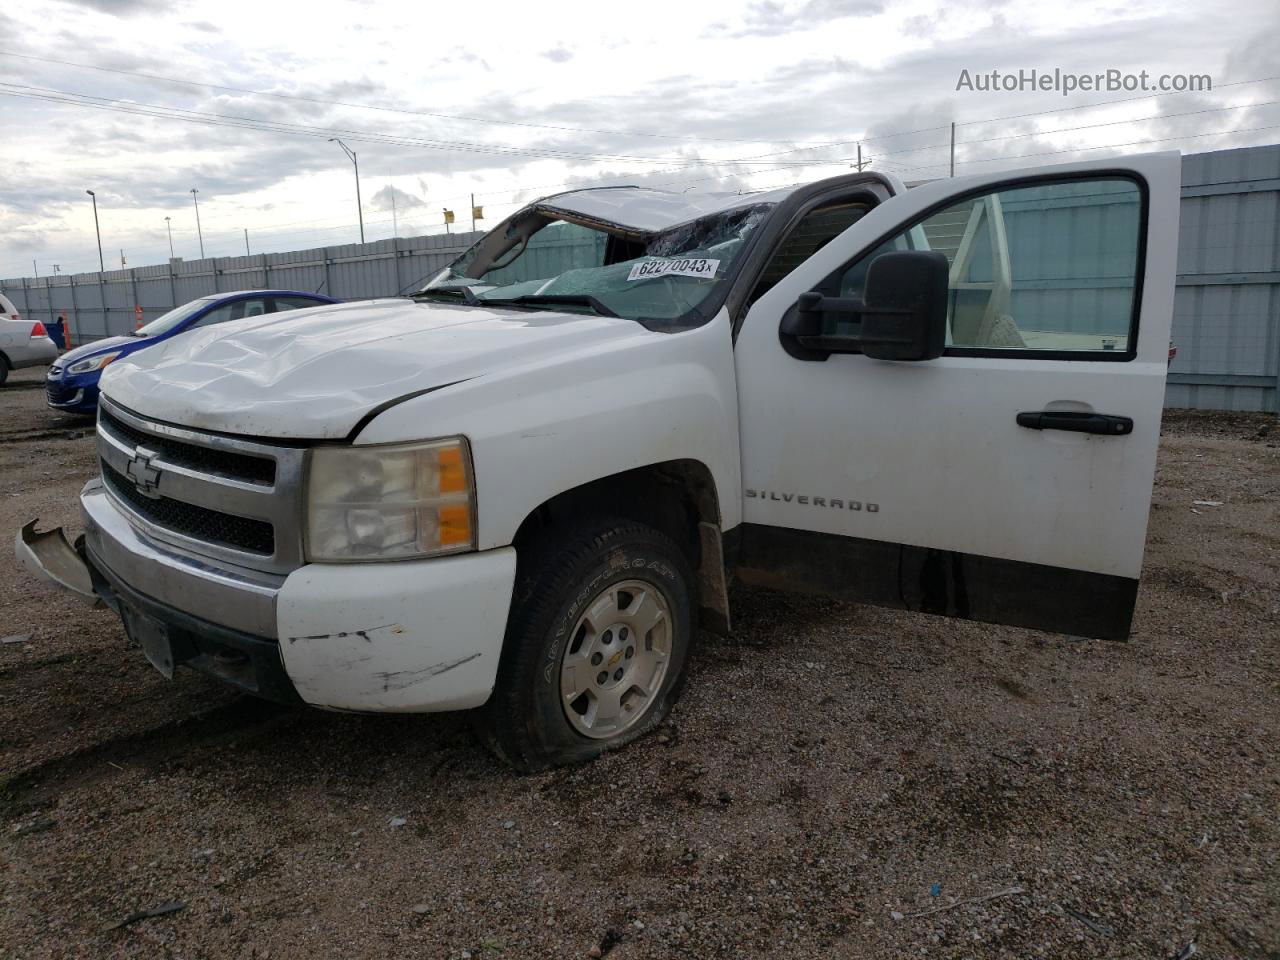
x=674 y=268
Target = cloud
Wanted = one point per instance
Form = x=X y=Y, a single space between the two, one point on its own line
x=382 y=200
x=1257 y=57
x=803 y=74
x=771 y=18
x=719 y=178
x=125 y=8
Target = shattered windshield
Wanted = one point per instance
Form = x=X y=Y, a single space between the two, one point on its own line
x=661 y=279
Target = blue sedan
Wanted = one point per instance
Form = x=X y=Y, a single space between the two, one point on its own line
x=72 y=386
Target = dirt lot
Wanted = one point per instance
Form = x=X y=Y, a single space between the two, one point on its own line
x=836 y=782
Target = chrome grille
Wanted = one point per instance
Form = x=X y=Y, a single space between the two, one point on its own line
x=222 y=463
x=241 y=533
x=211 y=495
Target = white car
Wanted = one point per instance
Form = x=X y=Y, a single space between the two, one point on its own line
x=523 y=488
x=22 y=342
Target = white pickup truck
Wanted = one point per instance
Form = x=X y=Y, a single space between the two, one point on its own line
x=522 y=488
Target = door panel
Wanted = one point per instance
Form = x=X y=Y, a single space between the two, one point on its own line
x=922 y=469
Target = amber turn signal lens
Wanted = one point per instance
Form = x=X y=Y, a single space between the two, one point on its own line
x=455 y=525
x=453 y=472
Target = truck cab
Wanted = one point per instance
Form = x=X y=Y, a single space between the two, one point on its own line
x=521 y=490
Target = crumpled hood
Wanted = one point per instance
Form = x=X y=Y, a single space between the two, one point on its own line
x=98 y=346
x=314 y=374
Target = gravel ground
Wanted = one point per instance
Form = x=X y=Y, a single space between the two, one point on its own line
x=838 y=781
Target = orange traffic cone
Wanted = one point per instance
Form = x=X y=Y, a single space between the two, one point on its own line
x=137 y=315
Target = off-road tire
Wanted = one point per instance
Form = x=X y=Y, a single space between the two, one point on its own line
x=525 y=722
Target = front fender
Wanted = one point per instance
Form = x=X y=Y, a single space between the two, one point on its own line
x=541 y=429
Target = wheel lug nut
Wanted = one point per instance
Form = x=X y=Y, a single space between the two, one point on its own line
x=622 y=634
x=631 y=652
x=617 y=674
x=608 y=636
x=602 y=677
x=596 y=658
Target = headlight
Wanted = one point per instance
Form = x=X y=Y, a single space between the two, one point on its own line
x=92 y=363
x=390 y=502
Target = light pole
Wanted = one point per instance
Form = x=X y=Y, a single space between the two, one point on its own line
x=352 y=154
x=169 y=226
x=199 y=232
x=97 y=230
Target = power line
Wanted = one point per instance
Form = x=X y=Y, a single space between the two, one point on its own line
x=1015 y=116
x=159 y=111
x=380 y=108
x=897 y=153
x=283 y=127
x=1086 y=126
x=595 y=130
x=684 y=163
x=1104 y=146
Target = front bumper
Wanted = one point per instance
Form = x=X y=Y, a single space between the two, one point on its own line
x=71 y=395
x=240 y=659
x=406 y=636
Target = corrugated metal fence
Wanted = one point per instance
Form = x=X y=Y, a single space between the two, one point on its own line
x=1226 y=313
x=1226 y=321
x=106 y=307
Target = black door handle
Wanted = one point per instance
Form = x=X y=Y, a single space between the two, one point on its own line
x=1076 y=422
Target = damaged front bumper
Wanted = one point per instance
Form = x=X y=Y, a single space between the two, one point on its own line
x=50 y=557
x=94 y=570
x=408 y=636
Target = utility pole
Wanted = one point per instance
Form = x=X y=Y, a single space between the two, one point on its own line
x=473 y=213
x=953 y=148
x=199 y=232
x=246 y=242
x=169 y=227
x=97 y=230
x=122 y=259
x=352 y=155
x=395 y=226
x=34 y=269
x=861 y=164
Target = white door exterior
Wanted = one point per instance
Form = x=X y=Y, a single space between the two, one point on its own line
x=914 y=483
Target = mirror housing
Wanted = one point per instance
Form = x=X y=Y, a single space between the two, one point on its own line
x=905 y=306
x=903 y=312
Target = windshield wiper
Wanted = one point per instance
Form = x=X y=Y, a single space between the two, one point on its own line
x=551 y=299
x=462 y=291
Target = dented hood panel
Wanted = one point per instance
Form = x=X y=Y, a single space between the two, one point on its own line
x=314 y=374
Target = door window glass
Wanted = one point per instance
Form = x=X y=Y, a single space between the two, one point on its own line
x=232 y=311
x=1049 y=267
x=295 y=303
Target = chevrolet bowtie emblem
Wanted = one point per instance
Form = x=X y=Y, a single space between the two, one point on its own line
x=144 y=476
x=614 y=659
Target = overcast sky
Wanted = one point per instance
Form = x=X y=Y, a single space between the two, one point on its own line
x=512 y=100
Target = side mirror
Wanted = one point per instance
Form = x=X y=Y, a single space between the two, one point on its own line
x=903 y=313
x=905 y=306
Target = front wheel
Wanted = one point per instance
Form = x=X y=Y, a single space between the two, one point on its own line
x=596 y=646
